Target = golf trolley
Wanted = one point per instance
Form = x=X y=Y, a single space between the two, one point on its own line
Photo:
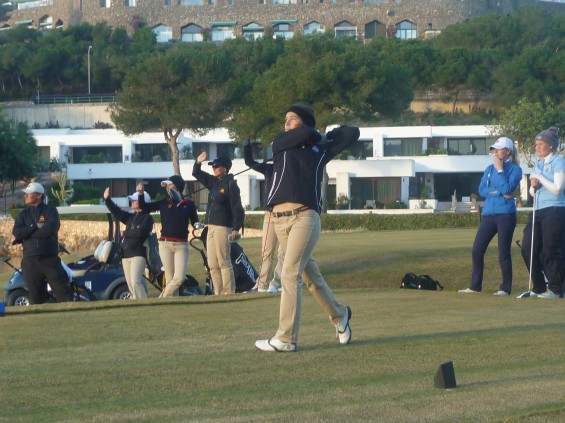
x=244 y=272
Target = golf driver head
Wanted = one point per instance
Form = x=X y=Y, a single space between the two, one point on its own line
x=526 y=294
x=174 y=195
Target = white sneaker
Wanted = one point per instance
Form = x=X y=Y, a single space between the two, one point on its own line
x=274 y=345
x=468 y=291
x=548 y=294
x=342 y=329
x=262 y=290
x=501 y=294
x=273 y=289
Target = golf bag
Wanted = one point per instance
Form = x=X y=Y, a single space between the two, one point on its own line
x=412 y=281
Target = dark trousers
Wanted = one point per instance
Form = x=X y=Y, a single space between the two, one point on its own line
x=503 y=225
x=549 y=232
x=40 y=270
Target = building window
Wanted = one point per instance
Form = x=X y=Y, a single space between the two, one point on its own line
x=374 y=29
x=345 y=29
x=283 y=30
x=151 y=153
x=96 y=154
x=191 y=33
x=222 y=32
x=406 y=30
x=402 y=147
x=163 y=33
x=191 y=2
x=253 y=31
x=104 y=3
x=129 y=3
x=375 y=1
x=168 y=2
x=313 y=27
x=467 y=147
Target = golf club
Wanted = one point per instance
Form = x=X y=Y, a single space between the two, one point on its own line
x=528 y=293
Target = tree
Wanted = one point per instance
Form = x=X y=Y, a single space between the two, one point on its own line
x=18 y=153
x=182 y=88
x=525 y=120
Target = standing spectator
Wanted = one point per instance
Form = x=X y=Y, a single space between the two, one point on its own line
x=224 y=217
x=269 y=279
x=299 y=158
x=497 y=186
x=138 y=225
x=176 y=214
x=37 y=228
x=547 y=185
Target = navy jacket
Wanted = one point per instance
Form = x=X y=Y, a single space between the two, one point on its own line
x=224 y=199
x=138 y=226
x=38 y=241
x=298 y=164
x=175 y=218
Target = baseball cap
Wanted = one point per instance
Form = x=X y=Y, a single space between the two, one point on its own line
x=176 y=180
x=135 y=197
x=503 y=142
x=34 y=187
x=221 y=162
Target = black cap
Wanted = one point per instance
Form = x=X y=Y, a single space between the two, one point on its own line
x=175 y=179
x=221 y=162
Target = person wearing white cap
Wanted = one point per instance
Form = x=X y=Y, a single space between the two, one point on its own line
x=37 y=228
x=176 y=214
x=138 y=225
x=498 y=184
x=548 y=187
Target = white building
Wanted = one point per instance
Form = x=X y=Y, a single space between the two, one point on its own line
x=389 y=164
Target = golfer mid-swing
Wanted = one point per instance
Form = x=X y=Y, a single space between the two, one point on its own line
x=299 y=157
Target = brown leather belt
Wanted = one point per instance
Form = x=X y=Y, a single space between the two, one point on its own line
x=167 y=239
x=292 y=212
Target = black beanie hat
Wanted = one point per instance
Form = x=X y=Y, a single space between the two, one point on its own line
x=551 y=136
x=305 y=112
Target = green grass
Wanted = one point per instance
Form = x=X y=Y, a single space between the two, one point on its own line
x=193 y=359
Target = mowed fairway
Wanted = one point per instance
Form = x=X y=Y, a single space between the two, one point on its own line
x=193 y=359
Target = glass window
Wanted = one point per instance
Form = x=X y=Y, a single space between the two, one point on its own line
x=226 y=150
x=345 y=29
x=163 y=33
x=191 y=34
x=374 y=29
x=402 y=147
x=467 y=147
x=283 y=30
x=313 y=27
x=221 y=33
x=96 y=155
x=104 y=3
x=151 y=153
x=191 y=2
x=253 y=31
x=129 y=3
x=406 y=30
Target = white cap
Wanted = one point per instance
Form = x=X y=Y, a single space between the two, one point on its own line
x=34 y=187
x=135 y=197
x=503 y=142
x=166 y=182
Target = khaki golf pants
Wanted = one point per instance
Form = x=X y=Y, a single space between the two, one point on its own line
x=221 y=270
x=298 y=235
x=270 y=271
x=174 y=256
x=133 y=271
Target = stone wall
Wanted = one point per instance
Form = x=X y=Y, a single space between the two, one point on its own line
x=424 y=13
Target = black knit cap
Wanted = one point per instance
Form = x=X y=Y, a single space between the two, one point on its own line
x=305 y=112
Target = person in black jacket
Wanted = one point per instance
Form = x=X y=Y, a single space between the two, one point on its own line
x=224 y=217
x=295 y=195
x=37 y=227
x=138 y=226
x=176 y=215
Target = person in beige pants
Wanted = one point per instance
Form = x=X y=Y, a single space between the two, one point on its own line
x=299 y=157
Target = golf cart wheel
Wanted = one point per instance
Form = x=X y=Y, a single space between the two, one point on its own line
x=18 y=297
x=122 y=293
x=189 y=287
